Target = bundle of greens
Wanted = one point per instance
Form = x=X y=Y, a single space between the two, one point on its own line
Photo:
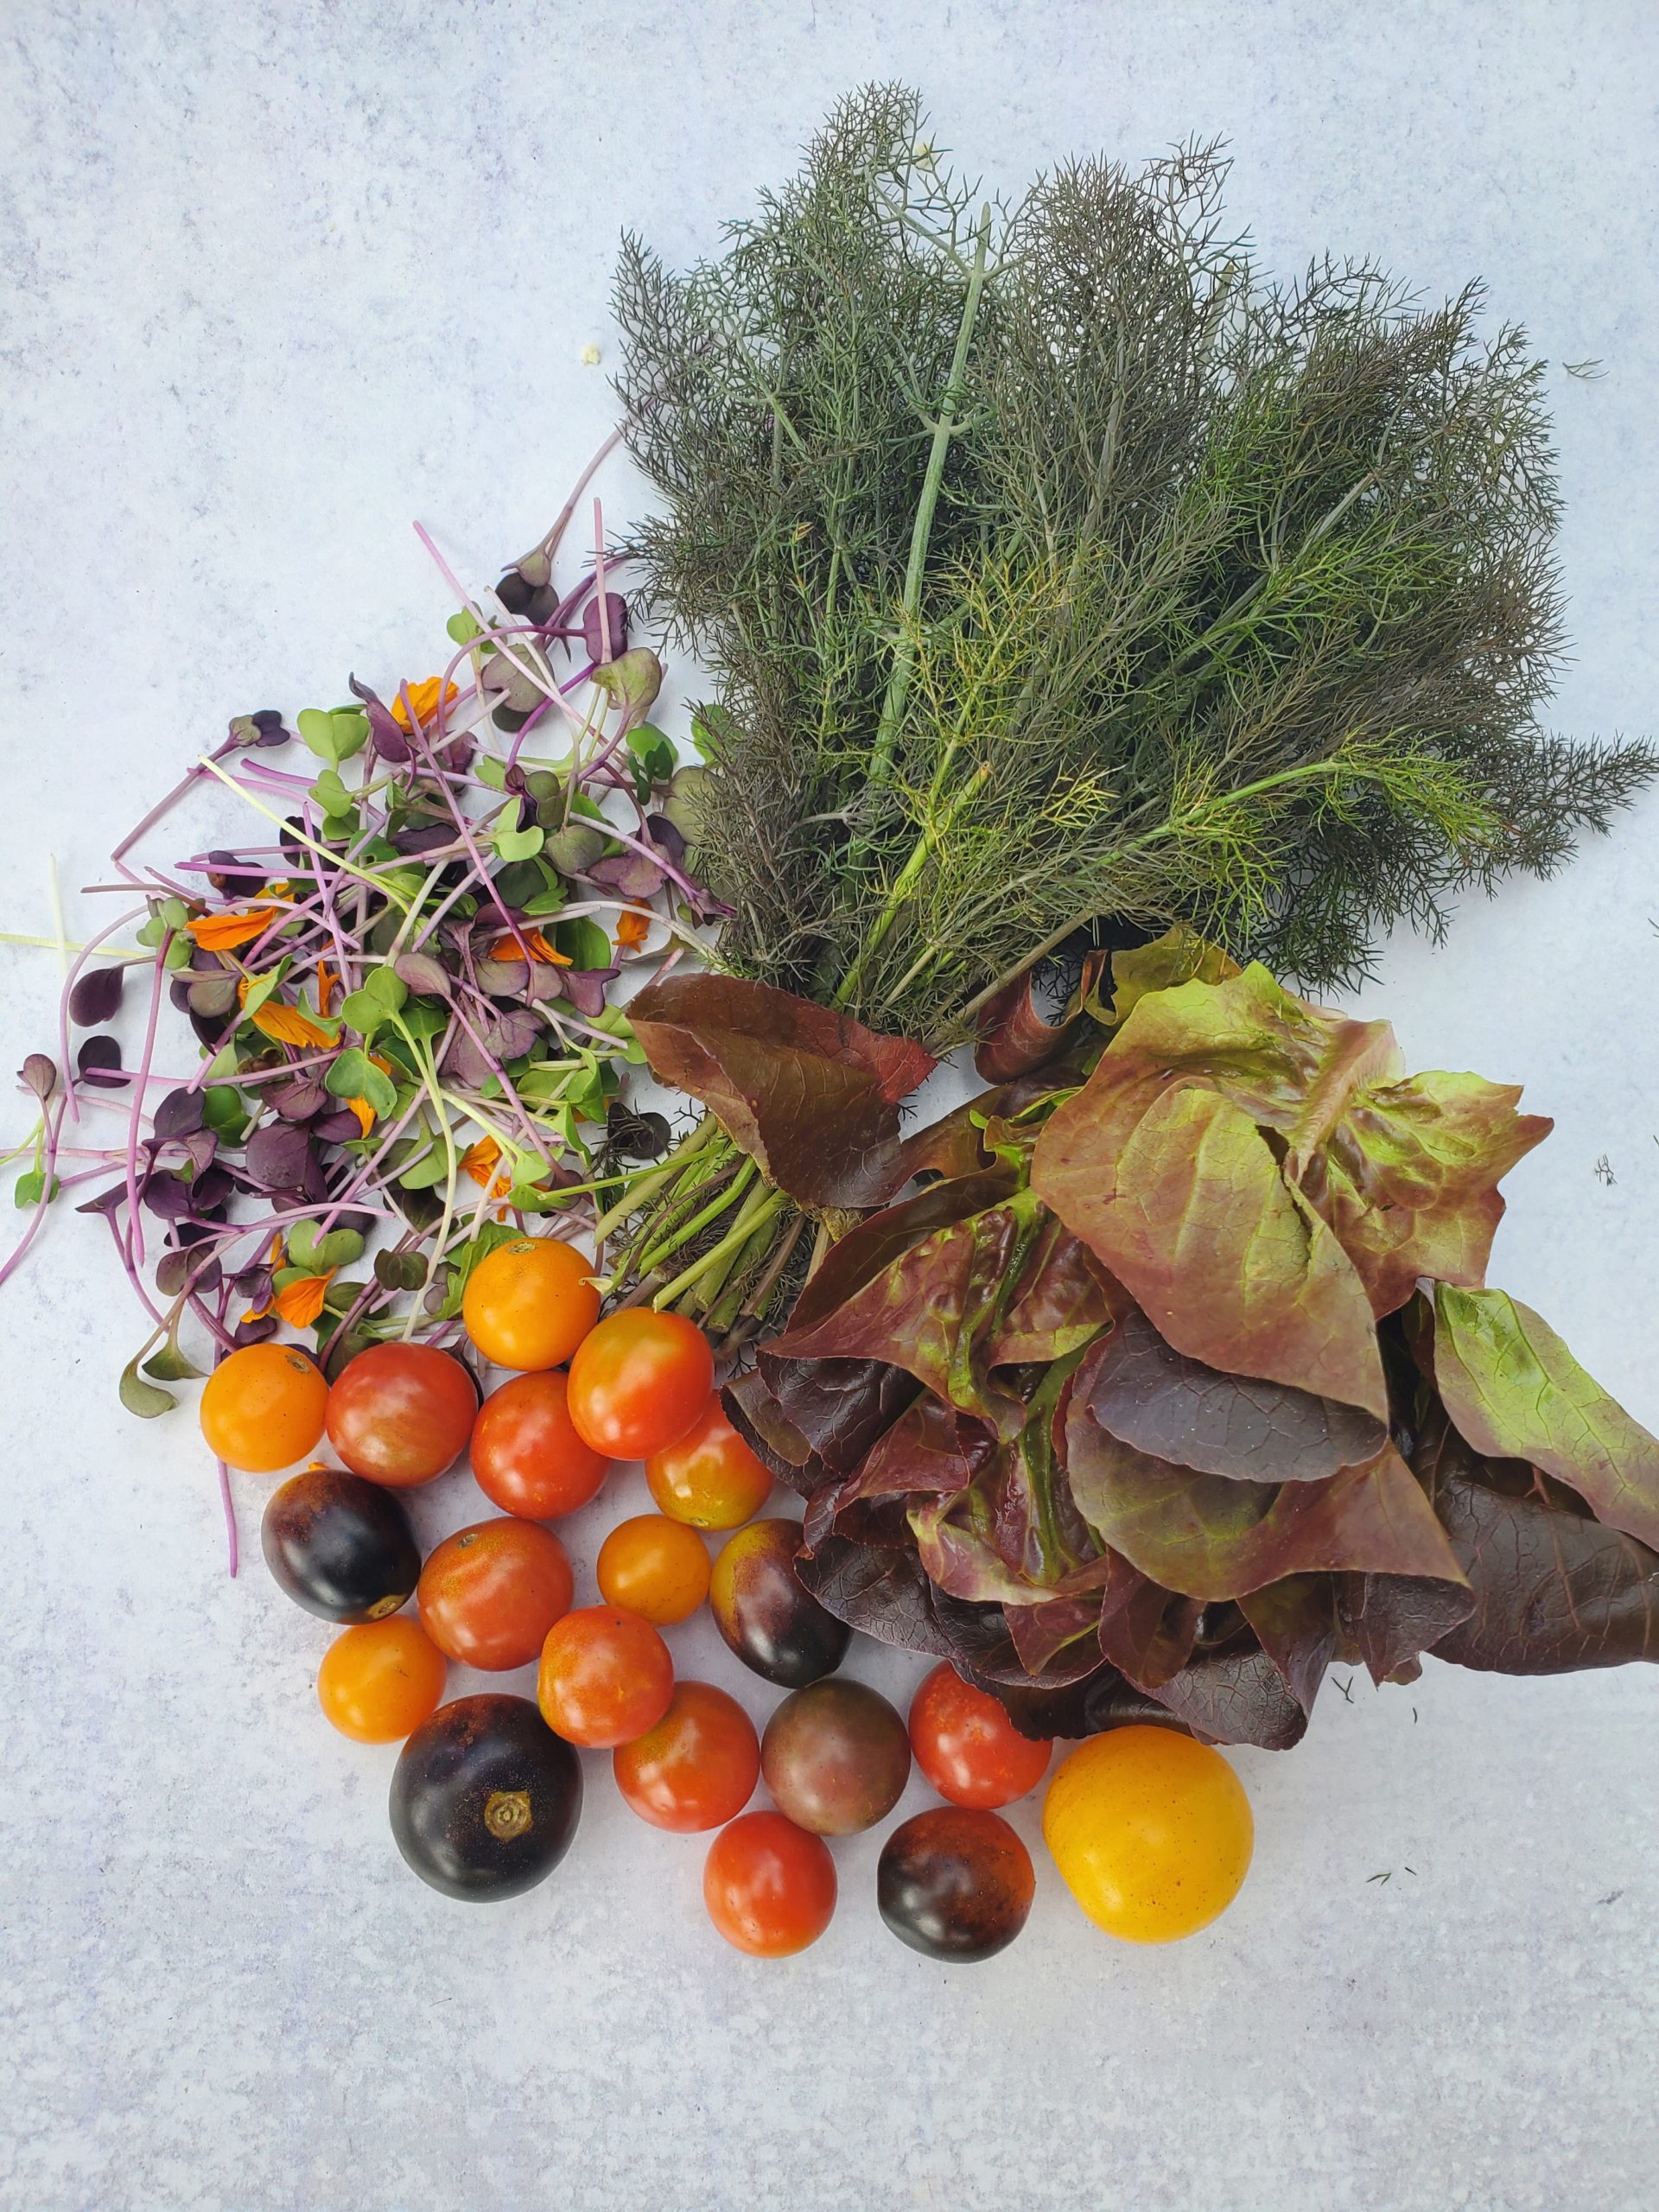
x=1059 y=574
x=1181 y=1382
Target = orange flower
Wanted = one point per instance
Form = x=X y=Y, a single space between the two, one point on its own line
x=631 y=928
x=302 y=1302
x=479 y=1161
x=218 y=932
x=423 y=697
x=364 y=1112
x=284 y=1025
x=506 y=948
x=326 y=981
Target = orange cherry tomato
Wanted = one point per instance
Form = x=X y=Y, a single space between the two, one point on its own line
x=606 y=1677
x=489 y=1594
x=708 y=1477
x=638 y=1381
x=529 y=1304
x=770 y=1887
x=379 y=1681
x=656 y=1568
x=526 y=1454
x=401 y=1414
x=698 y=1768
x=967 y=1747
x=264 y=1407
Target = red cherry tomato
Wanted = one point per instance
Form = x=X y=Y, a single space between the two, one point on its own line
x=708 y=1477
x=967 y=1747
x=489 y=1594
x=526 y=1454
x=770 y=1887
x=401 y=1414
x=606 y=1677
x=638 y=1381
x=696 y=1768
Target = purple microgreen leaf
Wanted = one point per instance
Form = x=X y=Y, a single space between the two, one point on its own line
x=515 y=1031
x=423 y=974
x=585 y=987
x=199 y=1148
x=176 y=1268
x=614 y=618
x=278 y=1154
x=99 y=1063
x=179 y=1115
x=630 y=875
x=96 y=997
x=299 y=1100
x=108 y=1203
x=666 y=838
x=212 y=997
x=39 y=1075
x=168 y=1197
x=389 y=741
x=338 y=1127
x=255 y=1332
x=430 y=837
x=233 y=879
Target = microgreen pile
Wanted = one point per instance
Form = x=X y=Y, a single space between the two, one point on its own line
x=397 y=988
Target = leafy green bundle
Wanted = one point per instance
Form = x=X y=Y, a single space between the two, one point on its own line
x=1182 y=1381
x=1053 y=567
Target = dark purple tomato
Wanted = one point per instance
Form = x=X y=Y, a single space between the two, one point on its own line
x=835 y=1757
x=955 y=1883
x=765 y=1614
x=485 y=1798
x=341 y=1547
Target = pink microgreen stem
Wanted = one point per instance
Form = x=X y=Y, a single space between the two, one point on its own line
x=135 y=1223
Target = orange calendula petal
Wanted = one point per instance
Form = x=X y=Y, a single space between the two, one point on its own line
x=423 y=697
x=218 y=931
x=631 y=927
x=364 y=1112
x=286 y=1025
x=302 y=1302
x=479 y=1160
x=536 y=944
x=325 y=982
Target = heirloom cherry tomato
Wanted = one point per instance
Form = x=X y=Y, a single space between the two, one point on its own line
x=379 y=1681
x=656 y=1567
x=835 y=1757
x=341 y=1547
x=1152 y=1832
x=707 y=1477
x=489 y=1594
x=967 y=1747
x=526 y=1454
x=264 y=1407
x=485 y=1798
x=770 y=1887
x=696 y=1768
x=955 y=1883
x=401 y=1414
x=529 y=1304
x=766 y=1613
x=606 y=1677
x=638 y=1381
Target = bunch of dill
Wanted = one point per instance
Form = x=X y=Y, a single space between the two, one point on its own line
x=1054 y=566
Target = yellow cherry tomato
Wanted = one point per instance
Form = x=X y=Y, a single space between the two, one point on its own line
x=654 y=1567
x=264 y=1407
x=709 y=1479
x=529 y=1304
x=1152 y=1832
x=379 y=1681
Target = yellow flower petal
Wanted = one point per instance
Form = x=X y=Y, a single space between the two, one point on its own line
x=302 y=1302
x=364 y=1112
x=423 y=697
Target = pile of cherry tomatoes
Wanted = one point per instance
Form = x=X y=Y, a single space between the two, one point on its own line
x=487 y=1789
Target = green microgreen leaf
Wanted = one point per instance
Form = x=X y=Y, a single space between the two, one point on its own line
x=30 y=1189
x=491 y=771
x=583 y=943
x=141 y=1397
x=514 y=844
x=462 y=628
x=353 y=1074
x=170 y=1365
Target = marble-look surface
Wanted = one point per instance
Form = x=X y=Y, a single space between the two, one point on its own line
x=280 y=276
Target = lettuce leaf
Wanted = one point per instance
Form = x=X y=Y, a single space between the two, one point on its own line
x=810 y=1094
x=1515 y=1391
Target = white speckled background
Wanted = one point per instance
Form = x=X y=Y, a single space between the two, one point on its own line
x=279 y=276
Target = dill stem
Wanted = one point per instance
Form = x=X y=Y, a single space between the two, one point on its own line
x=773 y=1204
x=658 y=1179
x=753 y=1219
x=927 y=843
x=654 y=1255
x=904 y=659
